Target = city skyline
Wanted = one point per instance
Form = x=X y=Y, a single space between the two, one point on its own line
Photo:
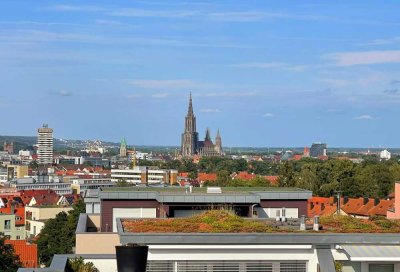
x=264 y=74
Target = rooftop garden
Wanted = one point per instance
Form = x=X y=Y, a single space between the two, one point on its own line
x=215 y=221
x=223 y=221
x=172 y=189
x=348 y=224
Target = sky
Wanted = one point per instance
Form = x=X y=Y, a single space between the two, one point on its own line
x=266 y=73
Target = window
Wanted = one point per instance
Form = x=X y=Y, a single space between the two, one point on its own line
x=18 y=237
x=7 y=224
x=293 y=267
x=381 y=267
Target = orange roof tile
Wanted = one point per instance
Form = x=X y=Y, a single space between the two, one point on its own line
x=28 y=253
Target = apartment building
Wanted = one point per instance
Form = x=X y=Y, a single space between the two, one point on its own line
x=16 y=171
x=45 y=145
x=145 y=175
x=36 y=217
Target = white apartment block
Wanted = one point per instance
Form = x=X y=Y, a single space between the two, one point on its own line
x=45 y=145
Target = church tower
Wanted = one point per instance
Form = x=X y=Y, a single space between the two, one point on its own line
x=190 y=135
x=122 y=148
x=218 y=143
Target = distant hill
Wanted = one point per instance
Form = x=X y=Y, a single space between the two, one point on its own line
x=27 y=142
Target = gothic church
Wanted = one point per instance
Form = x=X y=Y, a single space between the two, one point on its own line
x=190 y=138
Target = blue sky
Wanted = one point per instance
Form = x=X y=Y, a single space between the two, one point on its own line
x=266 y=73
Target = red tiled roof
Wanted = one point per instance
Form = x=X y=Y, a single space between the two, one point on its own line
x=184 y=174
x=207 y=177
x=382 y=207
x=272 y=179
x=28 y=253
x=297 y=157
x=244 y=175
x=18 y=211
x=354 y=206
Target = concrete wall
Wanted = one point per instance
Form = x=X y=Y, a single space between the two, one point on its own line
x=396 y=213
x=96 y=243
x=43 y=213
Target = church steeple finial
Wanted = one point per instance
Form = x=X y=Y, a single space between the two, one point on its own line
x=218 y=136
x=190 y=109
x=208 y=137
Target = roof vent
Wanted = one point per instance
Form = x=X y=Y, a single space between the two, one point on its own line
x=214 y=190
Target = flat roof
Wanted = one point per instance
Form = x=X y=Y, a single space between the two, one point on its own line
x=257 y=238
x=250 y=195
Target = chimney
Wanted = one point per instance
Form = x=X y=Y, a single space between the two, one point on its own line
x=376 y=201
x=12 y=207
x=278 y=215
x=366 y=199
x=335 y=199
x=345 y=199
x=303 y=222
x=322 y=206
x=316 y=223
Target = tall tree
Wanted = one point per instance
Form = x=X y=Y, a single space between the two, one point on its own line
x=58 y=234
x=287 y=176
x=9 y=261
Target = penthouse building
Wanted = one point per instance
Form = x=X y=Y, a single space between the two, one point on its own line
x=292 y=246
x=45 y=145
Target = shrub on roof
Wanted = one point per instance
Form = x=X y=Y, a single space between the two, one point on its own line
x=342 y=223
x=214 y=221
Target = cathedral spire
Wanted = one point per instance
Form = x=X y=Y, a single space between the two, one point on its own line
x=208 y=137
x=218 y=136
x=190 y=109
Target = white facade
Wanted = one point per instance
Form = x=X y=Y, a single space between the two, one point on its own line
x=60 y=188
x=385 y=155
x=138 y=175
x=45 y=145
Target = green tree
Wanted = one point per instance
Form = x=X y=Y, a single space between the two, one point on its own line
x=123 y=183
x=287 y=176
x=193 y=175
x=58 y=234
x=223 y=178
x=79 y=265
x=9 y=261
x=87 y=164
x=33 y=165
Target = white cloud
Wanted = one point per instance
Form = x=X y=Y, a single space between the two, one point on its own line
x=261 y=65
x=364 y=117
x=268 y=115
x=271 y=65
x=210 y=110
x=245 y=16
x=74 y=8
x=132 y=12
x=159 y=95
x=108 y=22
x=364 y=57
x=64 y=93
x=164 y=84
x=230 y=94
x=133 y=96
x=382 y=41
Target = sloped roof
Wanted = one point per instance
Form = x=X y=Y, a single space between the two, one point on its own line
x=28 y=253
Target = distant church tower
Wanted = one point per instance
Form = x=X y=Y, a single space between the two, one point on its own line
x=190 y=135
x=122 y=149
x=218 y=143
